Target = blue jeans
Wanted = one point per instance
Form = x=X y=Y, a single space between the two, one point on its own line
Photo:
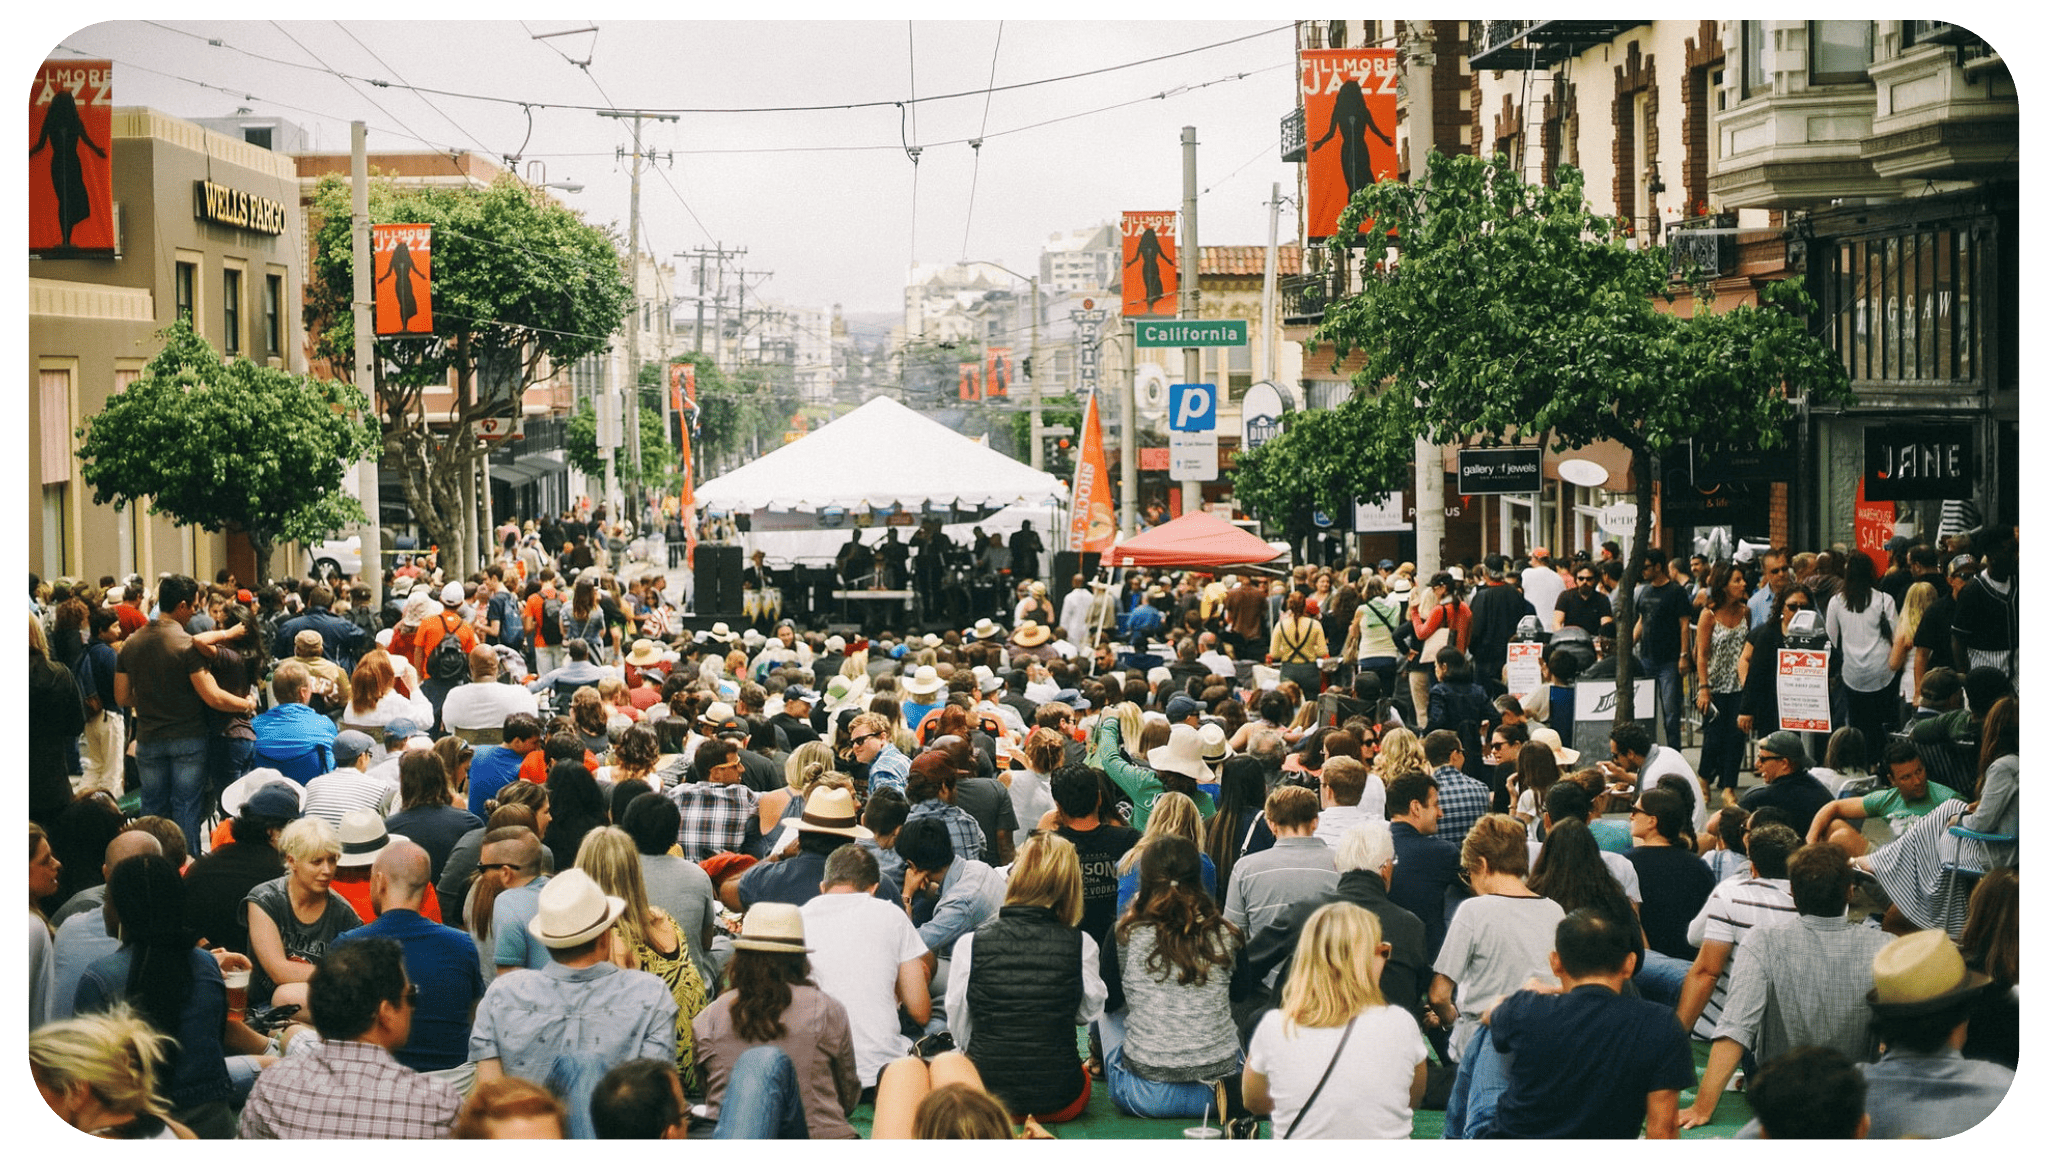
x=1661 y=978
x=173 y=777
x=761 y=1098
x=228 y=759
x=1482 y=1079
x=1142 y=1097
x=574 y=1078
x=1670 y=697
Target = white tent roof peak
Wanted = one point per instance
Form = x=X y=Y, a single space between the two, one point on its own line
x=878 y=455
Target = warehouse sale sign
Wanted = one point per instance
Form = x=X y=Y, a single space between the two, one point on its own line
x=1347 y=97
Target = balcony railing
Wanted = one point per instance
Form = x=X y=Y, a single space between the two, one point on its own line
x=1539 y=44
x=1304 y=297
x=1294 y=136
x=1713 y=254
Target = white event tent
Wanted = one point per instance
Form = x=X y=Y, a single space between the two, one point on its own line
x=879 y=459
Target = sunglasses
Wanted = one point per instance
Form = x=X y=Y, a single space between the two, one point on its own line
x=1762 y=758
x=496 y=867
x=857 y=740
x=412 y=996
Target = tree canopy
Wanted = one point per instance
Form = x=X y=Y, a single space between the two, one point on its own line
x=229 y=444
x=1497 y=309
x=522 y=286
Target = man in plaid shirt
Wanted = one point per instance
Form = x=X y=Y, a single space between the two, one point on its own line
x=715 y=805
x=351 y=1087
x=1463 y=798
x=930 y=791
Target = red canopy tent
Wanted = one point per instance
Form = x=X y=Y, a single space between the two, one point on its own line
x=1196 y=540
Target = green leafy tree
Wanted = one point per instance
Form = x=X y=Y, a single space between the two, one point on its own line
x=229 y=445
x=1055 y=411
x=657 y=460
x=522 y=286
x=1494 y=309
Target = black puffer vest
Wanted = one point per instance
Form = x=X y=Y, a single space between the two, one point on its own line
x=1023 y=990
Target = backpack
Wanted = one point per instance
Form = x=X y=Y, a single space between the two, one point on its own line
x=448 y=663
x=549 y=630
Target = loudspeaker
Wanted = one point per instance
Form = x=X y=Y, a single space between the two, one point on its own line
x=718 y=580
x=1065 y=564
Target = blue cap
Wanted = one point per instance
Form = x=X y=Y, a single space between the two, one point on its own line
x=1181 y=706
x=399 y=730
x=1072 y=698
x=273 y=801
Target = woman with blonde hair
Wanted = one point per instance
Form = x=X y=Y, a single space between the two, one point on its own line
x=99 y=1074
x=618 y=708
x=809 y=766
x=649 y=938
x=1400 y=753
x=1919 y=596
x=1021 y=982
x=292 y=921
x=1302 y=1066
x=1173 y=814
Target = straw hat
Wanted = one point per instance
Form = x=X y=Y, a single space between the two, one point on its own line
x=242 y=793
x=645 y=653
x=772 y=927
x=1550 y=738
x=362 y=838
x=830 y=810
x=1215 y=745
x=1922 y=973
x=1029 y=634
x=1182 y=754
x=573 y=910
x=720 y=632
x=925 y=681
x=985 y=629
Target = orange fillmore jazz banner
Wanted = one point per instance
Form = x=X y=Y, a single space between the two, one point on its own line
x=1152 y=245
x=402 y=262
x=71 y=158
x=1091 y=525
x=996 y=372
x=1347 y=97
x=970 y=381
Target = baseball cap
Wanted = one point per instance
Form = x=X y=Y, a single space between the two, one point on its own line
x=350 y=746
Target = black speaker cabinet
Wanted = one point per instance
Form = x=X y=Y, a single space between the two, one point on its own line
x=718 y=580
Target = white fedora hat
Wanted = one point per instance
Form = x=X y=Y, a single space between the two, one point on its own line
x=363 y=838
x=925 y=681
x=831 y=810
x=1182 y=754
x=772 y=927
x=573 y=910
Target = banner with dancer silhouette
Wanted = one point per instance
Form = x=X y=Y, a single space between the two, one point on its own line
x=402 y=262
x=970 y=381
x=995 y=375
x=71 y=159
x=1151 y=262
x=1347 y=97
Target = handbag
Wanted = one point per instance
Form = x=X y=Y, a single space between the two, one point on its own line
x=1327 y=1070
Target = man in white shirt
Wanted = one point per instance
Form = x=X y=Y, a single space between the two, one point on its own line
x=1074 y=611
x=484 y=703
x=1220 y=664
x=867 y=956
x=1541 y=584
x=1351 y=795
x=1734 y=910
x=1639 y=764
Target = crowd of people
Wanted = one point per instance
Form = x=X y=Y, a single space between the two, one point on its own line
x=517 y=854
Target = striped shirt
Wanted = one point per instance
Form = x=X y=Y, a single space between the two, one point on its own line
x=1264 y=884
x=1736 y=908
x=346 y=790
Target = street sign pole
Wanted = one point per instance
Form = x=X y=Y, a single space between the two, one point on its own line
x=1190 y=290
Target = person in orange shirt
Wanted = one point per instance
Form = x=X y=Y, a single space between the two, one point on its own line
x=417 y=643
x=560 y=745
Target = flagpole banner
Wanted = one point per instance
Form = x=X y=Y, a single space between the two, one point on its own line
x=970 y=381
x=402 y=265
x=1347 y=97
x=995 y=377
x=1151 y=262
x=1091 y=521
x=71 y=159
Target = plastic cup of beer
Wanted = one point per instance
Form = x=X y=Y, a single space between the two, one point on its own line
x=1202 y=1132
x=238 y=992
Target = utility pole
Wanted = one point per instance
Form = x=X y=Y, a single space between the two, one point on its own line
x=631 y=419
x=371 y=573
x=1127 y=385
x=1191 y=295
x=1037 y=396
x=1419 y=57
x=717 y=254
x=1269 y=330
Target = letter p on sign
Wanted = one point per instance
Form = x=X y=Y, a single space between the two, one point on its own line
x=1192 y=408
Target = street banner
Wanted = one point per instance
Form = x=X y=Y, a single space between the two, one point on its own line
x=1876 y=523
x=71 y=159
x=1347 y=97
x=1595 y=699
x=402 y=262
x=1152 y=245
x=1803 y=691
x=996 y=372
x=970 y=381
x=1091 y=525
x=1525 y=670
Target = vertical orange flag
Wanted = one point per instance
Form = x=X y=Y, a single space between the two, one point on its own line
x=1347 y=97
x=402 y=257
x=1091 y=524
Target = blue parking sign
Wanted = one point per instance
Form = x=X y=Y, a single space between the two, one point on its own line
x=1192 y=408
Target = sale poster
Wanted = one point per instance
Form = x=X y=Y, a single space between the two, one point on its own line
x=1803 y=691
x=1525 y=667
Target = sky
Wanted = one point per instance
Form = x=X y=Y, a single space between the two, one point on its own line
x=825 y=201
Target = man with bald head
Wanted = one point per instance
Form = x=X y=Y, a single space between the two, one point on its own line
x=82 y=936
x=440 y=962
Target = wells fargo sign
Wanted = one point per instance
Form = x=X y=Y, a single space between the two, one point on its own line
x=213 y=202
